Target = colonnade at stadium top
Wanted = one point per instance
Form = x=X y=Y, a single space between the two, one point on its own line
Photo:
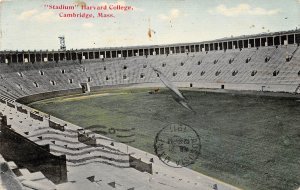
x=262 y=40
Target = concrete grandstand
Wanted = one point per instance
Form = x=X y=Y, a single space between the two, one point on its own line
x=268 y=62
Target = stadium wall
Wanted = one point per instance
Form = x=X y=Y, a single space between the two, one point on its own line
x=259 y=40
x=26 y=153
x=78 y=91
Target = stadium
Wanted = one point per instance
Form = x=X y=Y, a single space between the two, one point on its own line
x=44 y=92
x=217 y=114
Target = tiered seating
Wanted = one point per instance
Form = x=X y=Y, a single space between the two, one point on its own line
x=260 y=66
x=103 y=165
x=23 y=178
x=66 y=142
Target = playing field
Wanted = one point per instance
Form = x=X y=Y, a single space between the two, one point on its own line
x=249 y=141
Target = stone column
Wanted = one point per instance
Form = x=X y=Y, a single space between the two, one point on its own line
x=260 y=42
x=280 y=40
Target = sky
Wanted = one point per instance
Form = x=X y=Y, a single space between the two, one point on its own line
x=31 y=25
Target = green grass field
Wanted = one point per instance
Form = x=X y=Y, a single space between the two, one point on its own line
x=249 y=141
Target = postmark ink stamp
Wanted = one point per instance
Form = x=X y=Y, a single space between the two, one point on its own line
x=177 y=145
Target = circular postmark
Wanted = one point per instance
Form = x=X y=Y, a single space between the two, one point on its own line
x=177 y=145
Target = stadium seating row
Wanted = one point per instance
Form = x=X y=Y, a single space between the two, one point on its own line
x=261 y=66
